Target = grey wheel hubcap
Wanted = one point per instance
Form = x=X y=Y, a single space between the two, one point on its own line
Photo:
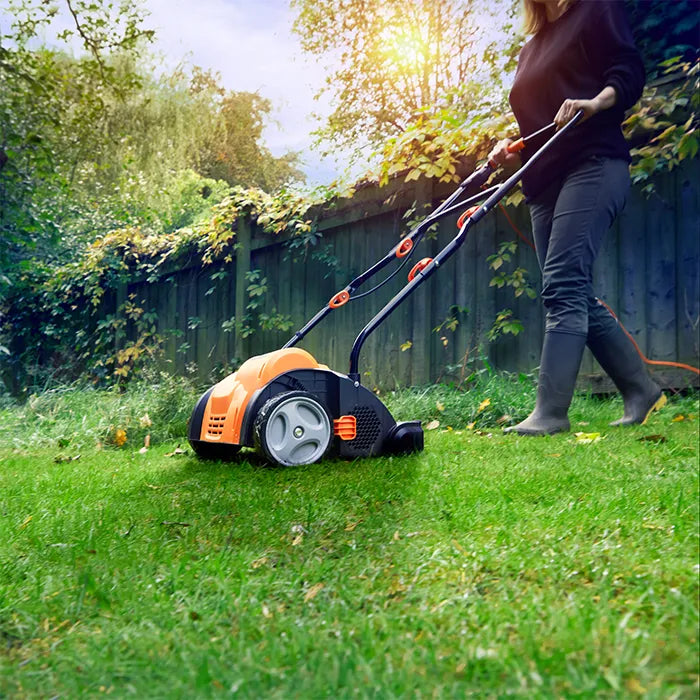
x=298 y=431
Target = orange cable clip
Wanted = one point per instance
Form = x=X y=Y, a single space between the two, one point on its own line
x=339 y=299
x=420 y=265
x=466 y=215
x=404 y=248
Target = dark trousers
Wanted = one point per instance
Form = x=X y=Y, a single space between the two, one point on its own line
x=569 y=220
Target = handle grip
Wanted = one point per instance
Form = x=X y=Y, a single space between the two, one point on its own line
x=516 y=146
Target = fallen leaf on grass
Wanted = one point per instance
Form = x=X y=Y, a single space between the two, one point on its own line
x=352 y=526
x=145 y=421
x=503 y=419
x=396 y=536
x=266 y=611
x=652 y=438
x=120 y=437
x=634 y=686
x=440 y=406
x=313 y=592
x=587 y=438
x=152 y=486
x=63 y=459
x=176 y=451
x=143 y=450
x=554 y=454
x=297 y=540
x=259 y=562
x=484 y=404
x=433 y=425
x=26 y=522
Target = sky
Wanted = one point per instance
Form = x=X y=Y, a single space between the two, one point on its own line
x=251 y=44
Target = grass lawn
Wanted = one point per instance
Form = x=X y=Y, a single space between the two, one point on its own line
x=488 y=565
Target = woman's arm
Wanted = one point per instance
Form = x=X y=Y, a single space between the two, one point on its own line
x=605 y=99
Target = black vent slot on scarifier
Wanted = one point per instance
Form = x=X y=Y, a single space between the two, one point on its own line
x=369 y=428
x=294 y=384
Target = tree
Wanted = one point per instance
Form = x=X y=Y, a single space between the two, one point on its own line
x=49 y=105
x=234 y=152
x=393 y=57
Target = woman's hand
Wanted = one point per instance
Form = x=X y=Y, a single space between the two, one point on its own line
x=500 y=156
x=605 y=99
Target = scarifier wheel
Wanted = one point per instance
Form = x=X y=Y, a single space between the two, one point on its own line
x=293 y=428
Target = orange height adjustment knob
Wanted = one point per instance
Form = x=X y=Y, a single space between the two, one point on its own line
x=339 y=299
x=404 y=248
x=420 y=265
x=466 y=215
x=345 y=427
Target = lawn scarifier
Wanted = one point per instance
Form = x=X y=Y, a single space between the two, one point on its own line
x=295 y=410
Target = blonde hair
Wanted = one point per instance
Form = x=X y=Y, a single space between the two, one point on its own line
x=535 y=14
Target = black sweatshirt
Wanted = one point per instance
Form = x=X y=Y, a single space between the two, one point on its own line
x=588 y=48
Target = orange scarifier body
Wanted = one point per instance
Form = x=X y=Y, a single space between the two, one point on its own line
x=222 y=425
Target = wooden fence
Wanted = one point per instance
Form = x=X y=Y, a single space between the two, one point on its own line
x=647 y=271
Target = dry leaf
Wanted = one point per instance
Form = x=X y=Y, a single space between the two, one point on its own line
x=677 y=418
x=147 y=441
x=259 y=562
x=470 y=426
x=266 y=611
x=587 y=438
x=433 y=425
x=145 y=421
x=396 y=536
x=176 y=451
x=297 y=540
x=484 y=404
x=352 y=526
x=652 y=438
x=26 y=522
x=634 y=686
x=313 y=592
x=119 y=437
x=440 y=406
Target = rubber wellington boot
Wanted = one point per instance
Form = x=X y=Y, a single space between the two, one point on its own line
x=561 y=358
x=617 y=355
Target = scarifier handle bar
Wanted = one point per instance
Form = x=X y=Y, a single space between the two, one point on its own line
x=405 y=247
x=449 y=250
x=520 y=143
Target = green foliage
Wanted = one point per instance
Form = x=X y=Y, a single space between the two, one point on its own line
x=517 y=278
x=664 y=126
x=664 y=30
x=504 y=323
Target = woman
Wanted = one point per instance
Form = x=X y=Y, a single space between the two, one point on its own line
x=582 y=57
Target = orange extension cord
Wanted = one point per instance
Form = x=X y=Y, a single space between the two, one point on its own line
x=661 y=363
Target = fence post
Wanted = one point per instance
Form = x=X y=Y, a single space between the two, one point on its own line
x=421 y=352
x=243 y=247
